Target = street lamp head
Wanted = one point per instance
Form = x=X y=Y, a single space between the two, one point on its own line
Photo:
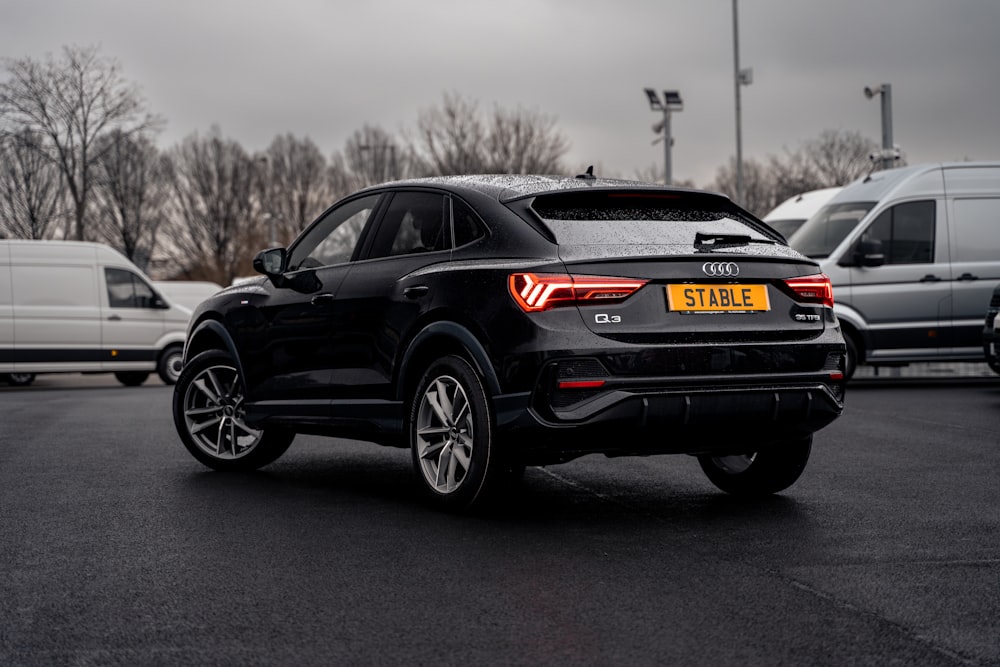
x=674 y=101
x=654 y=100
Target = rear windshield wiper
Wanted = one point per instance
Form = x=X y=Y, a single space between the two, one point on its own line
x=709 y=241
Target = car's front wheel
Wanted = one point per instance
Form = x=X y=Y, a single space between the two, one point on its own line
x=454 y=450
x=209 y=417
x=761 y=473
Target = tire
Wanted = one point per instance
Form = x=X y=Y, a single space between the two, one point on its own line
x=761 y=473
x=19 y=379
x=209 y=417
x=131 y=378
x=851 y=362
x=450 y=425
x=170 y=364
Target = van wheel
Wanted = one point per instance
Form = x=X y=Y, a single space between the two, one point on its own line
x=131 y=378
x=19 y=379
x=851 y=362
x=761 y=473
x=455 y=455
x=170 y=364
x=209 y=416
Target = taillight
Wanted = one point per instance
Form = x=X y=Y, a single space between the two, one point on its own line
x=534 y=292
x=813 y=289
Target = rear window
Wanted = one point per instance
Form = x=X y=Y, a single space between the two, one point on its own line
x=643 y=218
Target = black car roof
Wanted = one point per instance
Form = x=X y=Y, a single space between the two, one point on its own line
x=510 y=187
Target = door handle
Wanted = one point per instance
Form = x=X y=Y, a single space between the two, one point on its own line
x=115 y=318
x=416 y=292
x=930 y=278
x=968 y=276
x=321 y=299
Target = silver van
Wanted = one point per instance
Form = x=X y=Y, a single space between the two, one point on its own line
x=913 y=254
x=76 y=307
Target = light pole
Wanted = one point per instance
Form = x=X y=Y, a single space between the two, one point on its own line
x=671 y=102
x=741 y=77
x=888 y=152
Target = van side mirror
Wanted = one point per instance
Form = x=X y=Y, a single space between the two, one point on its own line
x=271 y=262
x=869 y=253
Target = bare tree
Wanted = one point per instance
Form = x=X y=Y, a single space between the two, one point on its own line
x=30 y=192
x=455 y=139
x=295 y=186
x=452 y=138
x=839 y=157
x=524 y=142
x=757 y=186
x=131 y=188
x=71 y=102
x=216 y=227
x=373 y=155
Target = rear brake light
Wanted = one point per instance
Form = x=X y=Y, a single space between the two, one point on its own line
x=535 y=292
x=812 y=289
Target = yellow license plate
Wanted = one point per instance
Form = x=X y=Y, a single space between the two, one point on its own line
x=718 y=298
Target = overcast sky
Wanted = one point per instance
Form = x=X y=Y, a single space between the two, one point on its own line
x=323 y=69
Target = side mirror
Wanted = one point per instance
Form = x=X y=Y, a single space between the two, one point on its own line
x=869 y=253
x=271 y=262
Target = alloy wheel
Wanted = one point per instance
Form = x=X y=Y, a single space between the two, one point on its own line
x=444 y=434
x=214 y=415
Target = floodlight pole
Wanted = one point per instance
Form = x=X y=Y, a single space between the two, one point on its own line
x=671 y=102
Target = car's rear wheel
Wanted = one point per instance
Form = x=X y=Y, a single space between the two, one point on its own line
x=451 y=436
x=761 y=473
x=209 y=417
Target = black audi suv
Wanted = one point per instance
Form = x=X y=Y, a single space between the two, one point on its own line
x=492 y=322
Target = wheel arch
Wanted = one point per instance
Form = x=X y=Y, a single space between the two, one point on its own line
x=436 y=340
x=211 y=335
x=854 y=325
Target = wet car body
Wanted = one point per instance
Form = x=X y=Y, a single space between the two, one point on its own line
x=561 y=302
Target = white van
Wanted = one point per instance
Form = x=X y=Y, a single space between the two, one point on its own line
x=789 y=215
x=913 y=254
x=76 y=307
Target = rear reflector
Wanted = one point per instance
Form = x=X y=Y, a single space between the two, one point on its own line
x=536 y=292
x=581 y=384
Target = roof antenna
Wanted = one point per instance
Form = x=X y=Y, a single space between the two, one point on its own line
x=589 y=175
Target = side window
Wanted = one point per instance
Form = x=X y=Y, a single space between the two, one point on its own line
x=467 y=225
x=413 y=222
x=976 y=226
x=127 y=290
x=906 y=232
x=332 y=239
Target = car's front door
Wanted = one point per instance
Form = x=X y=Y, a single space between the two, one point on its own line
x=286 y=335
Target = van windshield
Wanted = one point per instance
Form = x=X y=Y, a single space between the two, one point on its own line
x=822 y=233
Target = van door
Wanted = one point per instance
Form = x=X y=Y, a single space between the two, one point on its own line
x=132 y=320
x=975 y=255
x=906 y=301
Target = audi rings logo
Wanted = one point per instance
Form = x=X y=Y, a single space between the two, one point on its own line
x=721 y=269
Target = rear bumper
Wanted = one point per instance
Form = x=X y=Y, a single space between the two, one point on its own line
x=701 y=418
